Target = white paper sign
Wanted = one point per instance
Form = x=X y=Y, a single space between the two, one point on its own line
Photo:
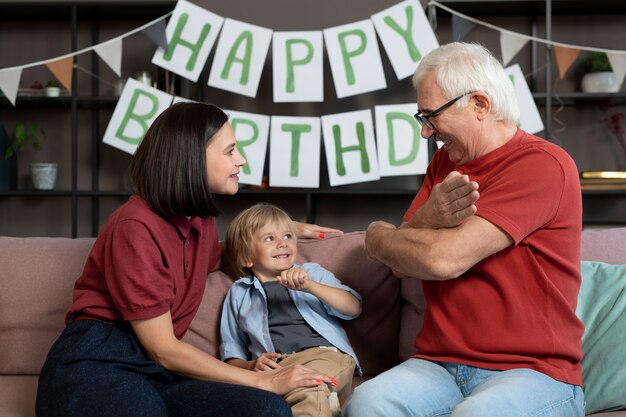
x=136 y=109
x=530 y=120
x=240 y=57
x=350 y=147
x=406 y=35
x=251 y=131
x=297 y=61
x=295 y=146
x=354 y=58
x=401 y=149
x=191 y=33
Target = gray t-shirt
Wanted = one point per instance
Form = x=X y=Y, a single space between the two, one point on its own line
x=288 y=330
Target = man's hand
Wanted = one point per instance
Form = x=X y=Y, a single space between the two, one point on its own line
x=450 y=203
x=374 y=232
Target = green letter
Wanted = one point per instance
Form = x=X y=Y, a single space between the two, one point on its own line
x=245 y=61
x=405 y=33
x=142 y=119
x=177 y=40
x=339 y=151
x=392 y=144
x=291 y=62
x=349 y=54
x=241 y=144
x=296 y=134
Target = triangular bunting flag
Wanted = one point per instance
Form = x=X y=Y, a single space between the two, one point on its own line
x=618 y=63
x=565 y=57
x=62 y=70
x=111 y=54
x=9 y=80
x=156 y=33
x=510 y=45
x=460 y=28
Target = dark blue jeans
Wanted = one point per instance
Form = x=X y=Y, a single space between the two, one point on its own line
x=98 y=369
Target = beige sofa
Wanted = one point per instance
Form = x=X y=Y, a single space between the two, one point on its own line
x=37 y=275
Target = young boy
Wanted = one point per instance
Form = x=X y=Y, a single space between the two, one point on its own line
x=283 y=314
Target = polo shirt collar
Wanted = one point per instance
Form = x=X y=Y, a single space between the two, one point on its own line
x=184 y=225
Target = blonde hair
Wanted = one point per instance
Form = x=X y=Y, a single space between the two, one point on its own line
x=241 y=231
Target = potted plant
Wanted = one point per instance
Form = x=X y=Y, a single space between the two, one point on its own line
x=43 y=174
x=8 y=165
x=53 y=89
x=598 y=76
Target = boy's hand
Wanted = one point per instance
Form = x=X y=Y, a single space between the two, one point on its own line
x=266 y=361
x=295 y=279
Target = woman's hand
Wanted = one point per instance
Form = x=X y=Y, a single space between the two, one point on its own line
x=296 y=376
x=313 y=231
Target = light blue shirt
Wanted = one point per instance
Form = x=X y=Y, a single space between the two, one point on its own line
x=245 y=328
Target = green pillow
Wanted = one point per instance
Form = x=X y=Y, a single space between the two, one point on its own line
x=602 y=307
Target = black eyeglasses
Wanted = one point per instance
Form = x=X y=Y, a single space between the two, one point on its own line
x=425 y=119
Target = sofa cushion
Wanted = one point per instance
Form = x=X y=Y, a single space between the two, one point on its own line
x=374 y=334
x=40 y=273
x=204 y=331
x=412 y=316
x=604 y=245
x=17 y=395
x=602 y=307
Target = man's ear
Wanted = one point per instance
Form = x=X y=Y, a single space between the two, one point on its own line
x=248 y=263
x=481 y=103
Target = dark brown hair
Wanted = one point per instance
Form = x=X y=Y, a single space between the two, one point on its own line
x=169 y=169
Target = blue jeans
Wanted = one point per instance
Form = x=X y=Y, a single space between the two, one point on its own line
x=99 y=369
x=421 y=388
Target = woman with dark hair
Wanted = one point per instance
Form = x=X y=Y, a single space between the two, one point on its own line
x=121 y=352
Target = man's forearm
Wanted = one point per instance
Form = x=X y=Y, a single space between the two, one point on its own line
x=410 y=251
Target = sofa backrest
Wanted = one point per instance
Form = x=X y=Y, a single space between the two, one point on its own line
x=37 y=277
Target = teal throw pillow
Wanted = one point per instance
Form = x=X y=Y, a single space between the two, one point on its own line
x=602 y=307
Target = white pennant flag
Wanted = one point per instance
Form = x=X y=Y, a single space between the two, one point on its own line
x=111 y=54
x=240 y=57
x=618 y=63
x=354 y=57
x=350 y=147
x=510 y=45
x=406 y=35
x=9 y=80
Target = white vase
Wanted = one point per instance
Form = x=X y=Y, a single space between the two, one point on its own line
x=53 y=91
x=600 y=82
x=44 y=175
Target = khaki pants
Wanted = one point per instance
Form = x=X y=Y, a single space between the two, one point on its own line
x=313 y=401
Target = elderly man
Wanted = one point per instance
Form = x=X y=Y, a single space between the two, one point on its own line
x=499 y=264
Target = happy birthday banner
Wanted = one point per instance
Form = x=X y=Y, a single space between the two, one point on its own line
x=355 y=150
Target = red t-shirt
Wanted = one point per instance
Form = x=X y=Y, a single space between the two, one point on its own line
x=143 y=265
x=516 y=308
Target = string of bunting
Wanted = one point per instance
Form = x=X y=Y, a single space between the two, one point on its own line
x=565 y=54
x=110 y=51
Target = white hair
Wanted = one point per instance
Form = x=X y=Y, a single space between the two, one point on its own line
x=461 y=68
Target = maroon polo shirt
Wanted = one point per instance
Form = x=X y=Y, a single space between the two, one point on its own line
x=143 y=265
